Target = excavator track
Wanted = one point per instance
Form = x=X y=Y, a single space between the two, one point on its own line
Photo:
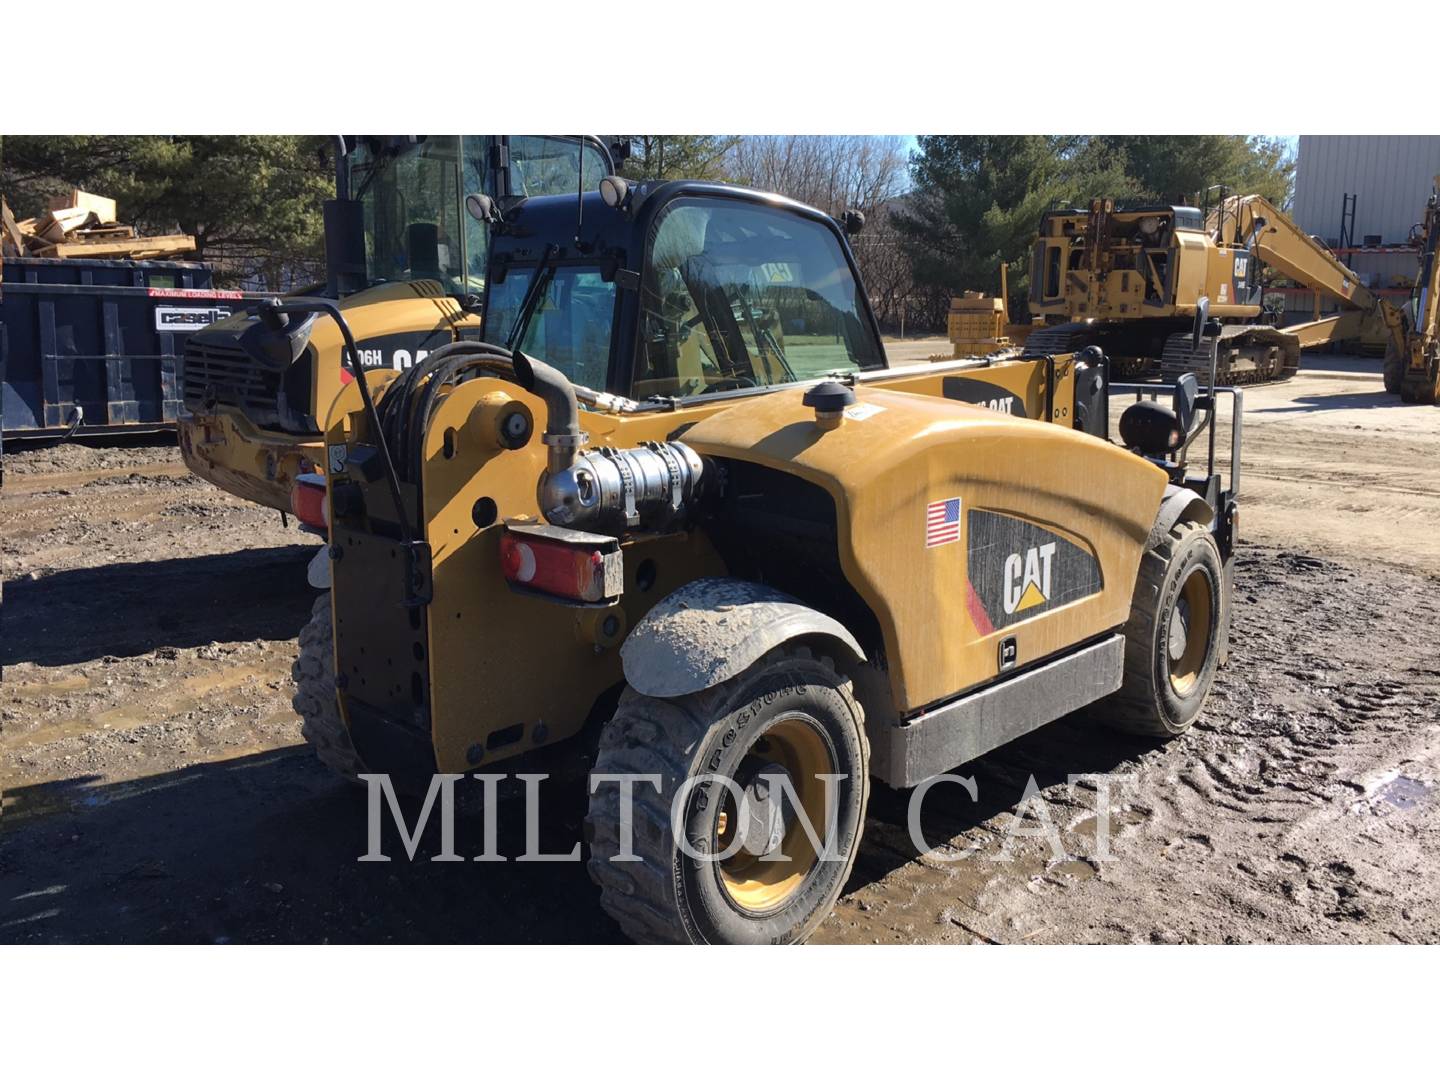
x=1056 y=340
x=1245 y=355
x=1072 y=337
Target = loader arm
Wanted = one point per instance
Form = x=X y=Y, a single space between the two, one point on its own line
x=1416 y=355
x=1427 y=295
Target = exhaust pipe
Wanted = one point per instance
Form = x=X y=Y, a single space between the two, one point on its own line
x=562 y=433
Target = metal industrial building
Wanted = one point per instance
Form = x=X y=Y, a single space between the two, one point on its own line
x=1389 y=177
x=1360 y=194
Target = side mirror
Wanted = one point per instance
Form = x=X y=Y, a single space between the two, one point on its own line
x=481 y=208
x=854 y=221
x=1202 y=316
x=1187 y=389
x=614 y=190
x=276 y=340
x=620 y=150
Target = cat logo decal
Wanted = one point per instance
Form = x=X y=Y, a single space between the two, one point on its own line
x=1027 y=578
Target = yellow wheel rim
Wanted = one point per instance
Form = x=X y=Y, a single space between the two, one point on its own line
x=1189 y=634
x=757 y=884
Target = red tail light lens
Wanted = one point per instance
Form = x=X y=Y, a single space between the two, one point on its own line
x=562 y=563
x=309 y=500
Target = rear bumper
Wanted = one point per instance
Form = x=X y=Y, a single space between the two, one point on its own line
x=259 y=466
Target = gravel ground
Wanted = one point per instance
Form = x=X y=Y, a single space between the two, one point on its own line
x=155 y=788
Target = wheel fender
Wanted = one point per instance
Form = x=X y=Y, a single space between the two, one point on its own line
x=1178 y=504
x=713 y=629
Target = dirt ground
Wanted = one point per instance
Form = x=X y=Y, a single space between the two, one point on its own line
x=155 y=788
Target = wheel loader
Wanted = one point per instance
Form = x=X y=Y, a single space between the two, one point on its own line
x=406 y=264
x=675 y=520
x=1129 y=279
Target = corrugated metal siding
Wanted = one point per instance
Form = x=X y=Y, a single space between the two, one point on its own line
x=1391 y=174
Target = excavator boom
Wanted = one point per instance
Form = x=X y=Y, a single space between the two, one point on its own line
x=1254 y=221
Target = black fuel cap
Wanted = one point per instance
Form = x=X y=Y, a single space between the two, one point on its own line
x=829 y=397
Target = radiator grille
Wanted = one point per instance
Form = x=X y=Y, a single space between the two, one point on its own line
x=222 y=374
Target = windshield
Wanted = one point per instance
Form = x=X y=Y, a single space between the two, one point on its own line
x=550 y=165
x=569 y=328
x=737 y=294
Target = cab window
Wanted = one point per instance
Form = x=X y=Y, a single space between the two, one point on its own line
x=569 y=328
x=539 y=165
x=552 y=165
x=736 y=294
x=412 y=206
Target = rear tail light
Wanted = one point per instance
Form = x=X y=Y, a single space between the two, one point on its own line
x=309 y=500
x=580 y=567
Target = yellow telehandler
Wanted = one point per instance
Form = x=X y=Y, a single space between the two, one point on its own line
x=675 y=520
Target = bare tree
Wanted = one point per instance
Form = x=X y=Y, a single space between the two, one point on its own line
x=833 y=172
x=836 y=173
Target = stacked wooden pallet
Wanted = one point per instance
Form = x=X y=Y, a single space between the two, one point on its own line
x=82 y=226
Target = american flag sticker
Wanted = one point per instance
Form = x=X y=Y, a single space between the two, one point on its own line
x=942 y=522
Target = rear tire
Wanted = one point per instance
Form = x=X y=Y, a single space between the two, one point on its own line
x=1175 y=637
x=315 y=696
x=790 y=712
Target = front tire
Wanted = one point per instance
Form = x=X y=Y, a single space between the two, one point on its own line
x=1175 y=637
x=315 y=696
x=790 y=716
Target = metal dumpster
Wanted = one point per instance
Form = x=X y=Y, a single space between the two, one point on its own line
x=92 y=345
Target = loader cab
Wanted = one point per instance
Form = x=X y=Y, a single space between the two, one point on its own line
x=679 y=289
x=404 y=258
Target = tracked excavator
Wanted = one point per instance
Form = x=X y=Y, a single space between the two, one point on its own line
x=1129 y=279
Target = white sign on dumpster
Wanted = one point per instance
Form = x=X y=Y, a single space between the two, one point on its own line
x=185 y=320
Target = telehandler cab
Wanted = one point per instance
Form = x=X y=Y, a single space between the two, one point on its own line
x=676 y=507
